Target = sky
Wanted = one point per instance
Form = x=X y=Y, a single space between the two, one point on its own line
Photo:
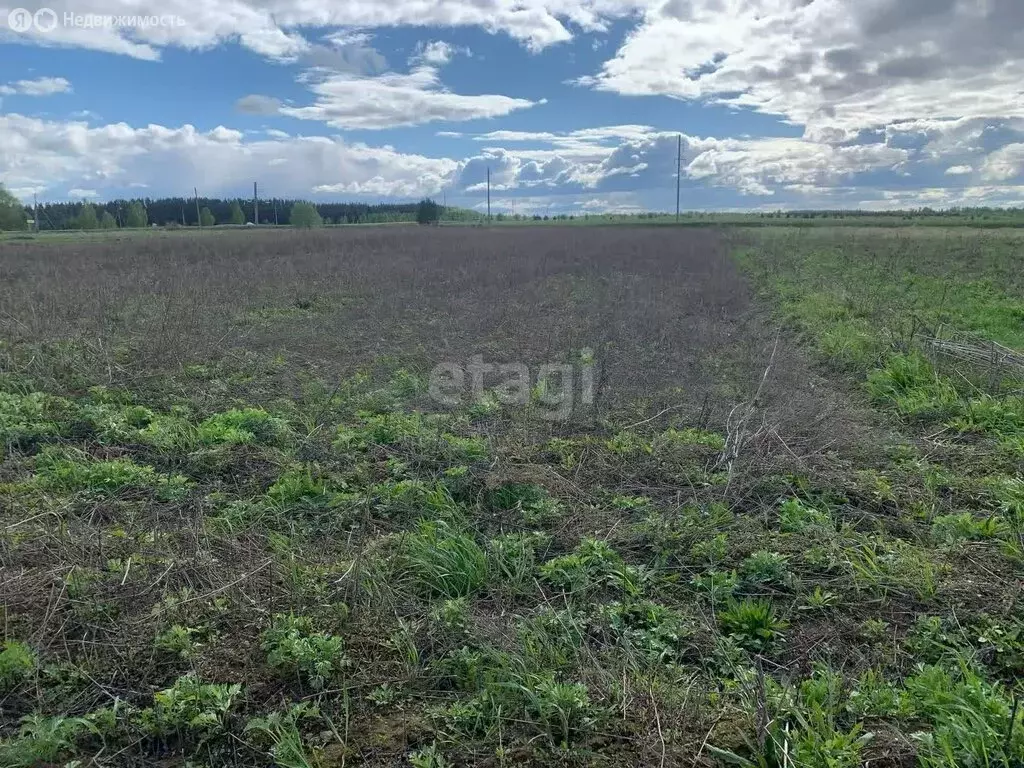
x=575 y=106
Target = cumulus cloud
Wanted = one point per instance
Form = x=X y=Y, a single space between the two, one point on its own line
x=1004 y=164
x=272 y=28
x=831 y=65
x=353 y=102
x=39 y=156
x=42 y=86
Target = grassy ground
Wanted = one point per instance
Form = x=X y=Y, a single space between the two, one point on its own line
x=235 y=529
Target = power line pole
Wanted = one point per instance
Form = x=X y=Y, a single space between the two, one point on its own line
x=488 y=194
x=35 y=210
x=199 y=216
x=679 y=172
x=255 y=205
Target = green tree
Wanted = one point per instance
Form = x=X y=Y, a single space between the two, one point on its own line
x=136 y=215
x=428 y=212
x=86 y=218
x=237 y=217
x=305 y=215
x=107 y=221
x=12 y=212
x=206 y=218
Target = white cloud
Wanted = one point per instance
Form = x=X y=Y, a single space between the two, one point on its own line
x=1004 y=164
x=42 y=86
x=959 y=170
x=831 y=65
x=272 y=28
x=44 y=156
x=354 y=102
x=78 y=194
x=436 y=53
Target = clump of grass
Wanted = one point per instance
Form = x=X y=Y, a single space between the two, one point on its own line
x=910 y=384
x=75 y=471
x=443 y=561
x=973 y=722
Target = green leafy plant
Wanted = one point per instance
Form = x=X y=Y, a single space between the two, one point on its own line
x=752 y=622
x=765 y=567
x=17 y=663
x=190 y=708
x=563 y=711
x=281 y=730
x=796 y=517
x=294 y=647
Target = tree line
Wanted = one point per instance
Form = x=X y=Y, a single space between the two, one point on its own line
x=210 y=211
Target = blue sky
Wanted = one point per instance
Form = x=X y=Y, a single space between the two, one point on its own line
x=574 y=106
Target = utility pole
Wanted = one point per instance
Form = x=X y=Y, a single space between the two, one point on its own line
x=35 y=210
x=275 y=211
x=679 y=172
x=488 y=194
x=255 y=205
x=199 y=216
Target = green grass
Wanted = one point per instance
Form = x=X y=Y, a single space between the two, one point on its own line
x=214 y=568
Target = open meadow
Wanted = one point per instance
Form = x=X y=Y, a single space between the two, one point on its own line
x=561 y=495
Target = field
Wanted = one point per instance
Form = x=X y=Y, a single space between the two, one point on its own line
x=602 y=496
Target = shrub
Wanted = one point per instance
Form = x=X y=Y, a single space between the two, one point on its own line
x=305 y=216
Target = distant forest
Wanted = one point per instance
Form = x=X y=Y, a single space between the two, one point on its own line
x=180 y=211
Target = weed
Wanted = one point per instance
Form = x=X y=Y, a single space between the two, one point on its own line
x=764 y=567
x=752 y=622
x=592 y=564
x=970 y=719
x=44 y=740
x=718 y=585
x=190 y=708
x=77 y=471
x=17 y=663
x=713 y=550
x=796 y=517
x=242 y=426
x=281 y=730
x=294 y=647
x=443 y=561
x=563 y=711
x=653 y=631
